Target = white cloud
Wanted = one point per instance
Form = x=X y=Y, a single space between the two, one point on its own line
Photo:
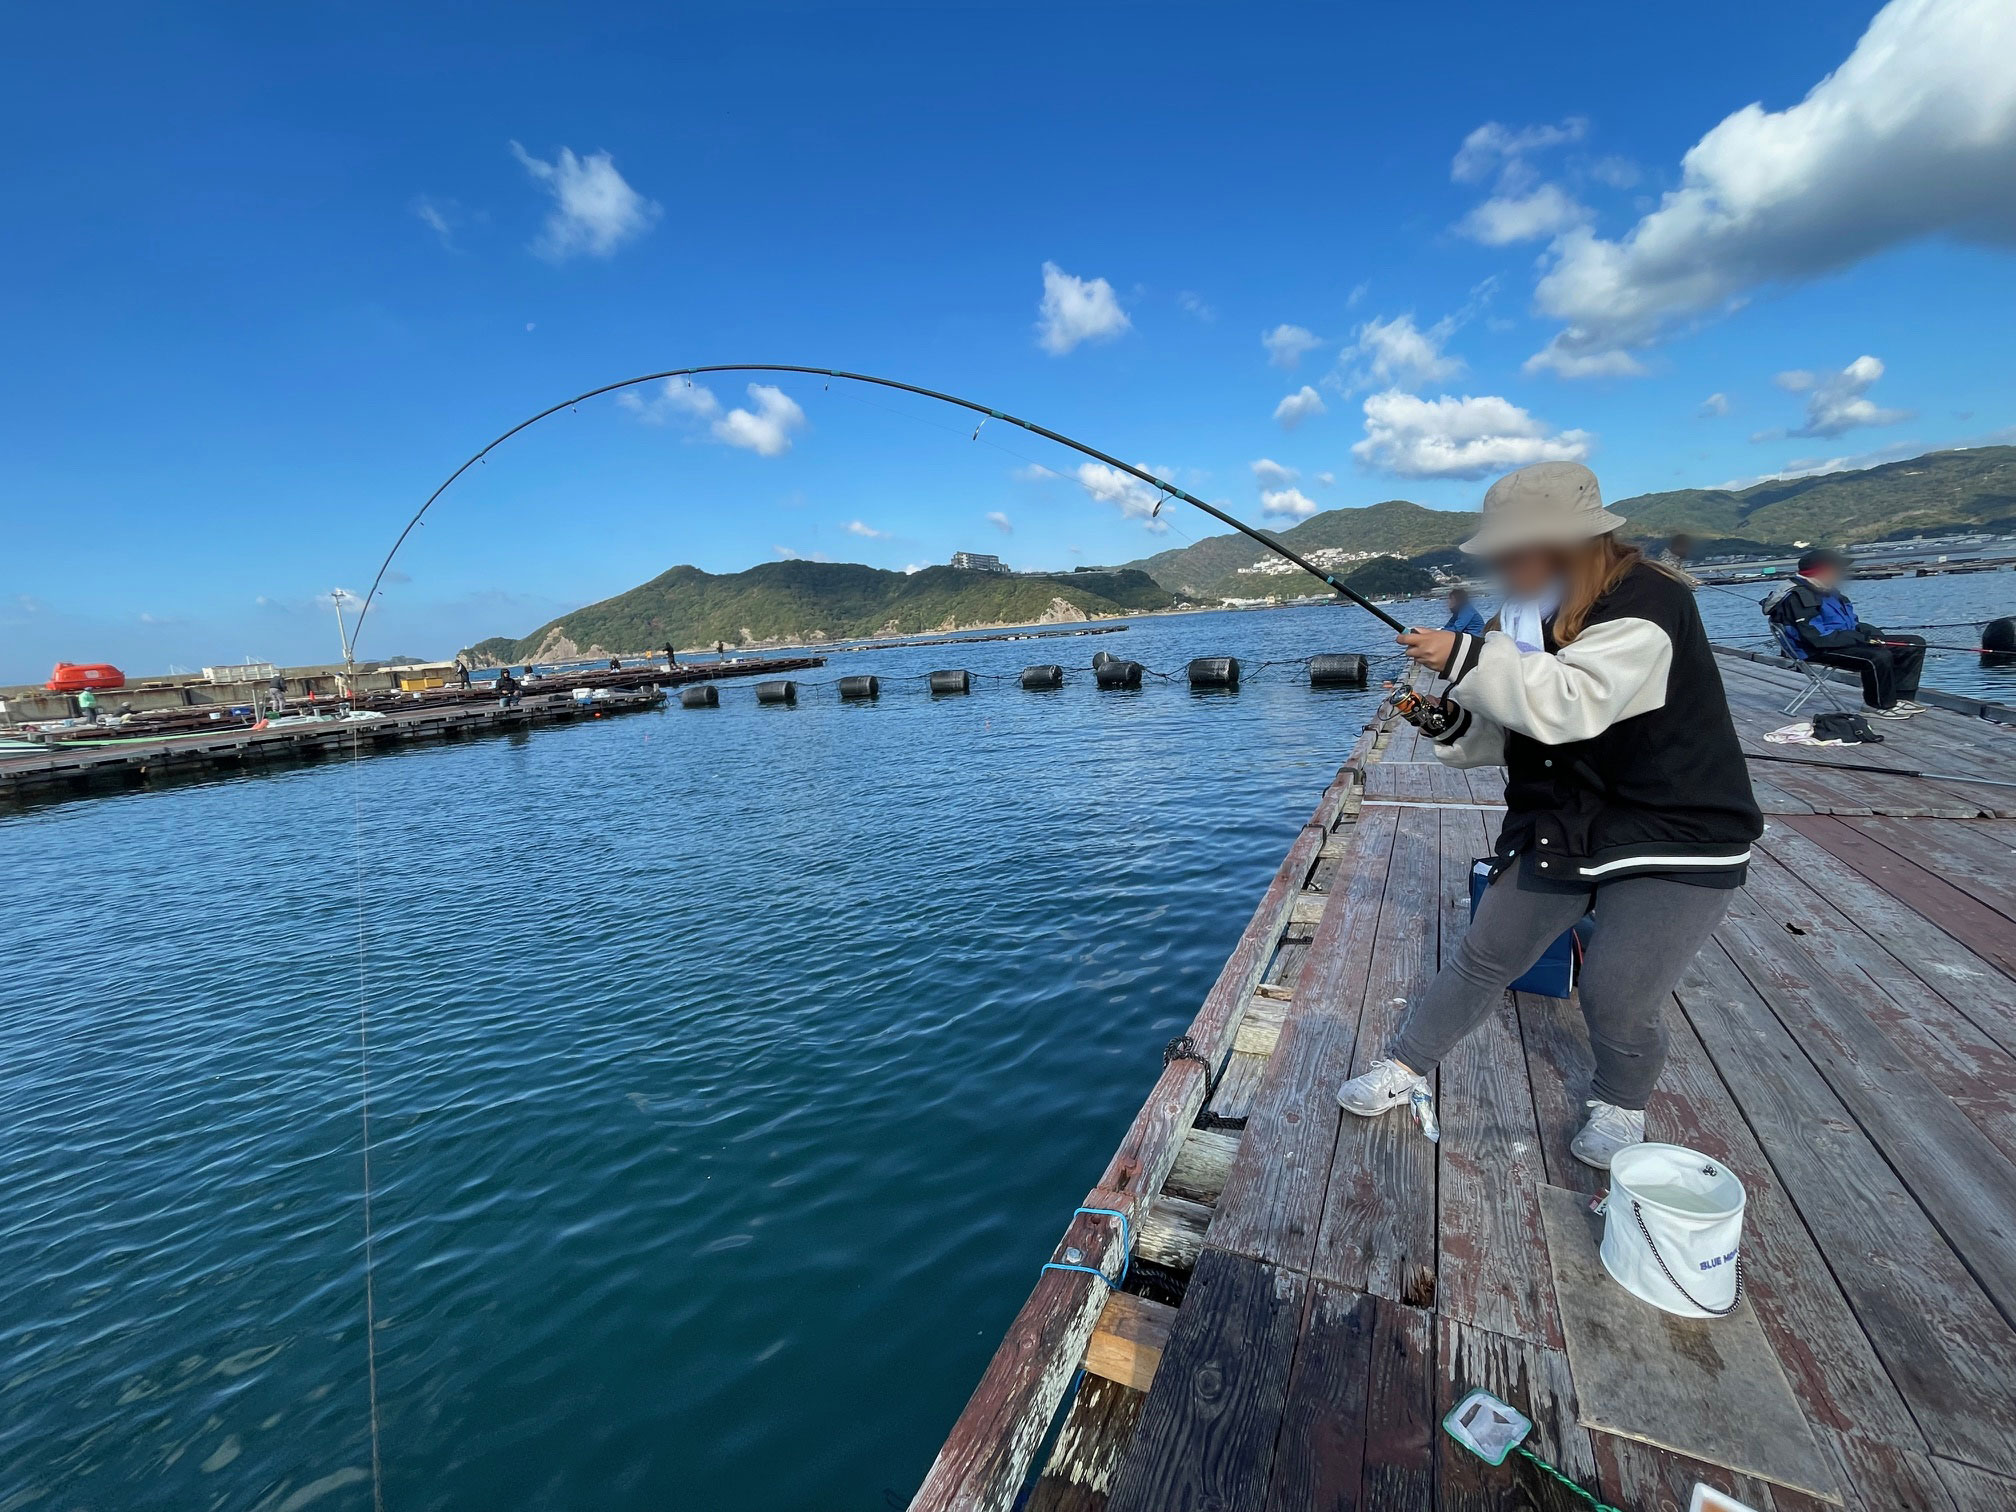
x=1000 y=522
x=1286 y=344
x=1034 y=472
x=1913 y=136
x=767 y=429
x=1715 y=404
x=1495 y=146
x=1794 y=380
x=1075 y=310
x=792 y=554
x=1567 y=360
x=1357 y=295
x=439 y=216
x=1398 y=354
x=1271 y=474
x=594 y=209
x=1287 y=501
x=678 y=398
x=1615 y=172
x=1459 y=438
x=1839 y=401
x=1192 y=303
x=869 y=532
x=1326 y=478
x=1504 y=219
x=1298 y=406
x=915 y=567
x=1134 y=499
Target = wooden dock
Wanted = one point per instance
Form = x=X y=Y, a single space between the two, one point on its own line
x=74 y=767
x=1308 y=1293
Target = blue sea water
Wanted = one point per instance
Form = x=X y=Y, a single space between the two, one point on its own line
x=732 y=1072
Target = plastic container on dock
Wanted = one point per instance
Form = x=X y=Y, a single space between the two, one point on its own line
x=781 y=691
x=952 y=680
x=1337 y=670
x=700 y=696
x=1214 y=672
x=1048 y=676
x=584 y=695
x=859 y=689
x=1118 y=674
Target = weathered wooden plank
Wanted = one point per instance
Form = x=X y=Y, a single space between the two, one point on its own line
x=1238 y=1084
x=1096 y=1433
x=1206 y=1437
x=1635 y=1474
x=1260 y=1027
x=1975 y=1490
x=1535 y=1381
x=1201 y=1165
x=1883 y=1478
x=1974 y=986
x=1951 y=1167
x=1273 y=1197
x=1172 y=1231
x=1400 y=1424
x=980 y=1467
x=1492 y=1265
x=1944 y=1344
x=1319 y=1459
x=1707 y=1388
x=1977 y=1074
x=1127 y=1345
x=1969 y=921
x=1378 y=1224
x=1961 y=853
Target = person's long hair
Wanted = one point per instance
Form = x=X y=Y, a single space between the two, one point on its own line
x=1594 y=569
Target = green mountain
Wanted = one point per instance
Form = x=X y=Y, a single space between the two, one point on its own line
x=799 y=602
x=1210 y=569
x=1927 y=495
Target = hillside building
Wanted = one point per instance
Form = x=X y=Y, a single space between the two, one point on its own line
x=978 y=561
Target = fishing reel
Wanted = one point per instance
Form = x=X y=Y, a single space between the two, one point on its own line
x=1434 y=719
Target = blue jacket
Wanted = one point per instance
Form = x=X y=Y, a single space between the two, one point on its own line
x=1823 y=621
x=1469 y=621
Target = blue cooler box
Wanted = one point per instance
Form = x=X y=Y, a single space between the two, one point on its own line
x=1553 y=975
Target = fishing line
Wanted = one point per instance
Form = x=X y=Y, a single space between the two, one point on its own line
x=1328 y=579
x=364 y=1082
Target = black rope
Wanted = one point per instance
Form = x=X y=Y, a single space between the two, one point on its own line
x=1184 y=1048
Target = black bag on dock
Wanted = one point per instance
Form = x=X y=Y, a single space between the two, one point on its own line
x=1850 y=729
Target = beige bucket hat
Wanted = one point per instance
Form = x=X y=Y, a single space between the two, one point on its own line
x=1547 y=504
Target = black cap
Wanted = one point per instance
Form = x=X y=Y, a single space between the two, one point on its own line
x=1823 y=557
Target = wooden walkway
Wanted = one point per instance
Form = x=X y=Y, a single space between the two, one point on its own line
x=78 y=767
x=1310 y=1293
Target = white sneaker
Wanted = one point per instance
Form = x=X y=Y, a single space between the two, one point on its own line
x=1912 y=706
x=1895 y=711
x=1385 y=1085
x=1608 y=1130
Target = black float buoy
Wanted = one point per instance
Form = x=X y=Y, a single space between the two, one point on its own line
x=782 y=691
x=855 y=688
x=1214 y=672
x=1337 y=670
x=1998 y=642
x=953 y=680
x=1048 y=676
x=1100 y=658
x=700 y=696
x=1113 y=673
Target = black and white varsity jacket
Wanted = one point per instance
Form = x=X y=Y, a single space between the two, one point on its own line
x=1619 y=753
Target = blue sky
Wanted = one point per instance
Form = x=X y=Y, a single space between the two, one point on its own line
x=271 y=273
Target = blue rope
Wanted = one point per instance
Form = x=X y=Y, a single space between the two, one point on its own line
x=1126 y=1250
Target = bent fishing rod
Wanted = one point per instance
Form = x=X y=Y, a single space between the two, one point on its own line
x=1168 y=489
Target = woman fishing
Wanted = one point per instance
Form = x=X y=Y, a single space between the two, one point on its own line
x=1626 y=792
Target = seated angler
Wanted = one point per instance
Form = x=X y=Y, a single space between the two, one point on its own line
x=1823 y=621
x=1463 y=615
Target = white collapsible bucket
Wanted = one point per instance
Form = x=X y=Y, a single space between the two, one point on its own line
x=1673 y=1230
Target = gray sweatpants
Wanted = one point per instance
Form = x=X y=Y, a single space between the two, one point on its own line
x=1647 y=930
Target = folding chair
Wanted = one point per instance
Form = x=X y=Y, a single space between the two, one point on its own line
x=1817 y=683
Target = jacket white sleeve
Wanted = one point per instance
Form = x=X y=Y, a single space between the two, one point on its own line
x=1613 y=670
x=1473 y=741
